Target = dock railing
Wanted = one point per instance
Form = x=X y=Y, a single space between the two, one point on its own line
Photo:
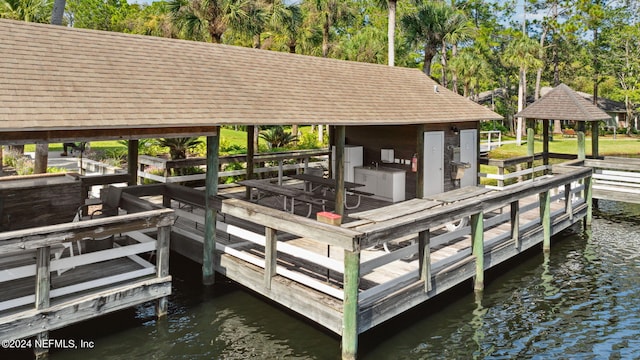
x=61 y=296
x=517 y=170
x=283 y=161
x=494 y=235
x=616 y=178
x=490 y=139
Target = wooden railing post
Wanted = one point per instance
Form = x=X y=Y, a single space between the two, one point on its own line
x=270 y=256
x=350 y=304
x=162 y=264
x=43 y=286
x=424 y=257
x=515 y=223
x=477 y=240
x=545 y=219
x=568 y=203
x=581 y=146
x=588 y=198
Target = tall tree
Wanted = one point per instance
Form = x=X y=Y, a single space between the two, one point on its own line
x=522 y=53
x=427 y=27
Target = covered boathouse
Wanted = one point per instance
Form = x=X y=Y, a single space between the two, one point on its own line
x=392 y=253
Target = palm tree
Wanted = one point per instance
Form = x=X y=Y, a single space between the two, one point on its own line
x=206 y=19
x=455 y=29
x=178 y=147
x=38 y=11
x=390 y=5
x=428 y=27
x=471 y=67
x=522 y=53
x=276 y=137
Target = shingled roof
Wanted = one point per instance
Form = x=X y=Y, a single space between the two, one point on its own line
x=61 y=79
x=563 y=103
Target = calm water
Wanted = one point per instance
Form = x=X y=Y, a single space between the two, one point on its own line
x=580 y=302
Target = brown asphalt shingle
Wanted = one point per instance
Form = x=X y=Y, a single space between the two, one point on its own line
x=55 y=77
x=563 y=103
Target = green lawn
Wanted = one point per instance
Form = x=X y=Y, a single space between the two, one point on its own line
x=607 y=147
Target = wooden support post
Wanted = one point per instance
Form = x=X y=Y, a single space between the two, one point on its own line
x=545 y=219
x=420 y=159
x=339 y=168
x=530 y=142
x=132 y=162
x=515 y=223
x=477 y=241
x=501 y=173
x=250 y=153
x=270 y=256
x=43 y=286
x=545 y=144
x=350 y=304
x=588 y=198
x=581 y=146
x=162 y=264
x=280 y=171
x=424 y=257
x=209 y=246
x=568 y=203
x=595 y=129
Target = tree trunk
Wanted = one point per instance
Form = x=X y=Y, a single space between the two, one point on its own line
x=42 y=150
x=391 y=32
x=522 y=99
x=325 y=36
x=428 y=56
x=443 y=61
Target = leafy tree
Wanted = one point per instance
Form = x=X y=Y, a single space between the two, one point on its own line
x=522 y=53
x=38 y=11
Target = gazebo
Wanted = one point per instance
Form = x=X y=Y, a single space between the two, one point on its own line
x=563 y=103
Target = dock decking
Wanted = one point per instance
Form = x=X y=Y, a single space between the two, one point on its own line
x=342 y=278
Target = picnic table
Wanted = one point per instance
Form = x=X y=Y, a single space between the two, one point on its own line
x=290 y=195
x=315 y=183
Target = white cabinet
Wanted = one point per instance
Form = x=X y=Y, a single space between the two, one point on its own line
x=385 y=183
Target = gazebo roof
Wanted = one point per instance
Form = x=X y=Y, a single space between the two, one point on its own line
x=57 y=80
x=563 y=103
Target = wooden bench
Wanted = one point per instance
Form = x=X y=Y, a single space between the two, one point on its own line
x=569 y=133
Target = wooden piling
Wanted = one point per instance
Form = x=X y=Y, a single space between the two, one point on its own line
x=43 y=286
x=162 y=265
x=350 y=304
x=545 y=219
x=588 y=198
x=132 y=161
x=270 y=256
x=515 y=223
x=477 y=239
x=339 y=167
x=250 y=152
x=209 y=246
x=424 y=258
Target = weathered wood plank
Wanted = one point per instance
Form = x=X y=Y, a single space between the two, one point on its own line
x=350 y=303
x=60 y=314
x=33 y=238
x=332 y=235
x=395 y=210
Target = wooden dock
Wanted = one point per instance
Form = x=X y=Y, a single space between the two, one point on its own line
x=383 y=260
x=57 y=275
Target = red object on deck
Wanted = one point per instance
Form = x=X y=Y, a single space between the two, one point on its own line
x=329 y=218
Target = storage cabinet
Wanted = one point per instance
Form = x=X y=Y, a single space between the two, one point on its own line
x=385 y=183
